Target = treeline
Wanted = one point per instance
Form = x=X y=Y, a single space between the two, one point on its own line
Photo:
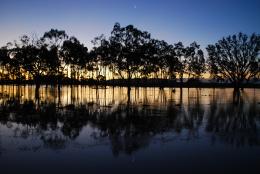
x=128 y=53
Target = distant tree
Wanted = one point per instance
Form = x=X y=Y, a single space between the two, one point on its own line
x=4 y=60
x=235 y=58
x=54 y=38
x=174 y=60
x=150 y=63
x=52 y=61
x=163 y=58
x=53 y=41
x=74 y=54
x=128 y=48
x=102 y=55
x=128 y=53
x=31 y=58
x=179 y=52
x=12 y=65
x=195 y=61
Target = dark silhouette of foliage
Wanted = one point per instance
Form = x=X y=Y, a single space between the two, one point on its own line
x=195 y=61
x=32 y=58
x=53 y=40
x=4 y=61
x=127 y=54
x=74 y=54
x=235 y=58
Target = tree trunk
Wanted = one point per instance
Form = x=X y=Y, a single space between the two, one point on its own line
x=181 y=79
x=128 y=78
x=237 y=85
x=37 y=82
x=128 y=96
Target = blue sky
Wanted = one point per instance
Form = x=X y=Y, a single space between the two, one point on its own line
x=204 y=21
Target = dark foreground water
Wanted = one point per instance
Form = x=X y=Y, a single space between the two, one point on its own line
x=114 y=130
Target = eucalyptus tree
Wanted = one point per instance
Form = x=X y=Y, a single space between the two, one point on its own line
x=196 y=65
x=101 y=54
x=160 y=58
x=171 y=60
x=53 y=41
x=54 y=38
x=4 y=61
x=167 y=59
x=150 y=63
x=52 y=62
x=128 y=43
x=74 y=54
x=91 y=65
x=235 y=58
x=11 y=67
x=179 y=53
x=30 y=57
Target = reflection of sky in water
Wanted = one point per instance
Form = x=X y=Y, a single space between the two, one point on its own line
x=98 y=125
x=114 y=96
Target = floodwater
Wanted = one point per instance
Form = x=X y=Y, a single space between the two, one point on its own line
x=81 y=129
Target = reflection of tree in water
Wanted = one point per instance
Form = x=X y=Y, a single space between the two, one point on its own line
x=1 y=149
x=128 y=128
x=235 y=122
x=132 y=126
x=193 y=115
x=54 y=141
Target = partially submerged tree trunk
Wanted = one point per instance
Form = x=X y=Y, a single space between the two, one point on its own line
x=236 y=96
x=238 y=85
x=37 y=89
x=128 y=78
x=37 y=82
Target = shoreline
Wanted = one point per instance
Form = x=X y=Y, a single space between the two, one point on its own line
x=160 y=83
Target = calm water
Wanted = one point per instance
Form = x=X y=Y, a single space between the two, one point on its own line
x=114 y=130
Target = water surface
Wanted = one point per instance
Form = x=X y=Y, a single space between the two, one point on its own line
x=82 y=129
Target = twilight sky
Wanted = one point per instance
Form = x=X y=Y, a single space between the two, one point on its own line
x=204 y=21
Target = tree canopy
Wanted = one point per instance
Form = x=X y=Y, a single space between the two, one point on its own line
x=235 y=58
x=128 y=53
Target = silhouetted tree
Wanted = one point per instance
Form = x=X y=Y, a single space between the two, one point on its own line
x=235 y=58
x=74 y=54
x=52 y=61
x=53 y=40
x=4 y=60
x=128 y=52
x=102 y=55
x=195 y=61
x=173 y=60
x=163 y=58
x=31 y=58
x=179 y=53
x=151 y=59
